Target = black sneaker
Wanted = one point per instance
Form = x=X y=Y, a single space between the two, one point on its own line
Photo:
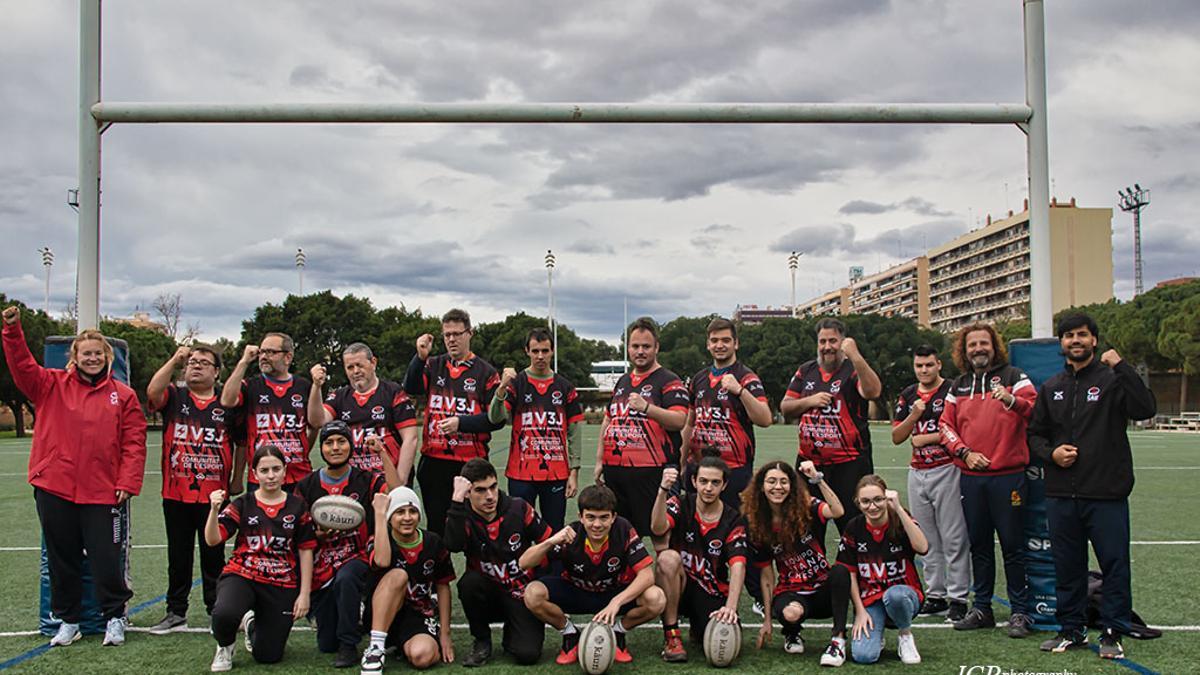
x=1019 y=626
x=957 y=611
x=1110 y=645
x=976 y=618
x=934 y=607
x=481 y=651
x=347 y=656
x=171 y=623
x=1066 y=639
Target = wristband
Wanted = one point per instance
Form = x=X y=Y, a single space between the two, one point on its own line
x=816 y=480
x=647 y=408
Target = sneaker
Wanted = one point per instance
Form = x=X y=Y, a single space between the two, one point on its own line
x=976 y=618
x=793 y=643
x=622 y=655
x=673 y=651
x=957 y=611
x=347 y=656
x=835 y=653
x=170 y=624
x=1110 y=645
x=570 y=649
x=372 y=661
x=481 y=651
x=1066 y=639
x=114 y=632
x=758 y=608
x=934 y=607
x=67 y=633
x=247 y=627
x=222 y=660
x=907 y=648
x=1019 y=626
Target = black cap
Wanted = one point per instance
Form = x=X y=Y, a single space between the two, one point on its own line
x=336 y=428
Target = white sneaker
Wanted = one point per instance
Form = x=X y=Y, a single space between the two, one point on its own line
x=372 y=661
x=835 y=653
x=758 y=608
x=907 y=648
x=67 y=633
x=793 y=644
x=114 y=632
x=222 y=660
x=247 y=627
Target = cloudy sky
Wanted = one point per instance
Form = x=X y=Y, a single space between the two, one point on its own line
x=679 y=219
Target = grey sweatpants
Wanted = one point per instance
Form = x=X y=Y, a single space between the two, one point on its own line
x=936 y=504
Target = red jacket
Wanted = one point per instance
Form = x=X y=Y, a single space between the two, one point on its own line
x=974 y=420
x=89 y=440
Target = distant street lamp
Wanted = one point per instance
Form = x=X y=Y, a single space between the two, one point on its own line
x=1135 y=199
x=301 y=261
x=47 y=262
x=550 y=304
x=793 y=265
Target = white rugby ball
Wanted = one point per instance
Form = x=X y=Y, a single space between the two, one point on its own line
x=338 y=512
x=722 y=643
x=597 y=648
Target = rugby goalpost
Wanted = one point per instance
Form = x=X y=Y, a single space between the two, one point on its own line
x=97 y=115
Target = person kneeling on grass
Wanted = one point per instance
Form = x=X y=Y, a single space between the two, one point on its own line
x=606 y=571
x=268 y=578
x=703 y=571
x=786 y=525
x=878 y=548
x=414 y=565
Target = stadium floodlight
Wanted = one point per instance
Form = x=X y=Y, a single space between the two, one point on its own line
x=47 y=262
x=301 y=261
x=793 y=265
x=1133 y=200
x=550 y=304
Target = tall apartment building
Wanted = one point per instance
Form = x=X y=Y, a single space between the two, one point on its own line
x=753 y=314
x=983 y=275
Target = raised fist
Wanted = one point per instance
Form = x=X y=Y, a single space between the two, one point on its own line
x=250 y=355
x=670 y=476
x=182 y=354
x=380 y=502
x=808 y=469
x=893 y=498
x=563 y=536
x=318 y=375
x=216 y=498
x=424 y=344
x=1110 y=358
x=462 y=486
x=730 y=384
x=376 y=445
x=850 y=347
x=507 y=377
x=12 y=314
x=918 y=408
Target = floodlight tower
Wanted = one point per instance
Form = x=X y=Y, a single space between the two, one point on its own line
x=1135 y=199
x=793 y=265
x=47 y=262
x=301 y=261
x=550 y=304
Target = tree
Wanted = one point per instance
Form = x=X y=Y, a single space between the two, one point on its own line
x=148 y=350
x=1179 y=340
x=36 y=325
x=170 y=308
x=503 y=345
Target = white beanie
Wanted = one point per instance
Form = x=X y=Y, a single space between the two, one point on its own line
x=401 y=497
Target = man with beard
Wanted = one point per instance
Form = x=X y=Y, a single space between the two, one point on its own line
x=340 y=561
x=1079 y=431
x=370 y=407
x=640 y=432
x=197 y=458
x=983 y=426
x=275 y=405
x=830 y=396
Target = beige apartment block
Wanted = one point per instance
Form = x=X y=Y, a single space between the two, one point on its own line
x=901 y=290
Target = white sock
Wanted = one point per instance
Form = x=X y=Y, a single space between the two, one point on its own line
x=618 y=627
x=378 y=638
x=567 y=629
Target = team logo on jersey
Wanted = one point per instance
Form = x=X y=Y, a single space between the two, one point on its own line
x=113 y=399
x=556 y=397
x=289 y=521
x=835 y=386
x=722 y=395
x=808 y=386
x=252 y=520
x=218 y=414
x=264 y=398
x=377 y=413
x=441 y=381
x=1058 y=395
x=691 y=537
x=578 y=567
x=1093 y=394
x=514 y=542
x=469 y=384
x=529 y=398
x=428 y=567
x=647 y=389
x=184 y=409
x=714 y=547
x=345 y=415
x=995 y=380
x=893 y=548
x=297 y=401
x=938 y=404
x=332 y=395
x=862 y=547
x=614 y=563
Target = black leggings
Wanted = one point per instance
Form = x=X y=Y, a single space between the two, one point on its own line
x=272 y=607
x=831 y=600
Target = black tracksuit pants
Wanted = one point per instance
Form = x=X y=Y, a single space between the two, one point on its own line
x=69 y=529
x=185 y=524
x=1104 y=522
x=272 y=607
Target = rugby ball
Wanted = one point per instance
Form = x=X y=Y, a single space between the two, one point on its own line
x=722 y=643
x=338 y=512
x=597 y=648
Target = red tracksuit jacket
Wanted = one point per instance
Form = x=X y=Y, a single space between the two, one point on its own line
x=974 y=420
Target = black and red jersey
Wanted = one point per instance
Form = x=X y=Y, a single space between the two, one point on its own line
x=879 y=562
x=720 y=419
x=494 y=548
x=838 y=432
x=631 y=437
x=707 y=550
x=802 y=567
x=269 y=538
x=542 y=411
x=383 y=411
x=934 y=454
x=427 y=563
x=277 y=414
x=336 y=547
x=610 y=567
x=197 y=445
x=456 y=389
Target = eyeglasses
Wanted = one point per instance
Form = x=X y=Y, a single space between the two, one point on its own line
x=271 y=352
x=201 y=363
x=454 y=334
x=878 y=501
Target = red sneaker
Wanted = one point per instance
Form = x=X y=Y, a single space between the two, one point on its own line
x=622 y=655
x=673 y=651
x=570 y=650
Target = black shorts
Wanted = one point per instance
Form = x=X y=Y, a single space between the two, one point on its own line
x=410 y=623
x=636 y=488
x=574 y=600
x=816 y=605
x=696 y=604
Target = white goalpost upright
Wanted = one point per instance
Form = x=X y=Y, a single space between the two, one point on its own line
x=96 y=115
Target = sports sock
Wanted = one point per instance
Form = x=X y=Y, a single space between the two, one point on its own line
x=378 y=638
x=568 y=629
x=618 y=627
